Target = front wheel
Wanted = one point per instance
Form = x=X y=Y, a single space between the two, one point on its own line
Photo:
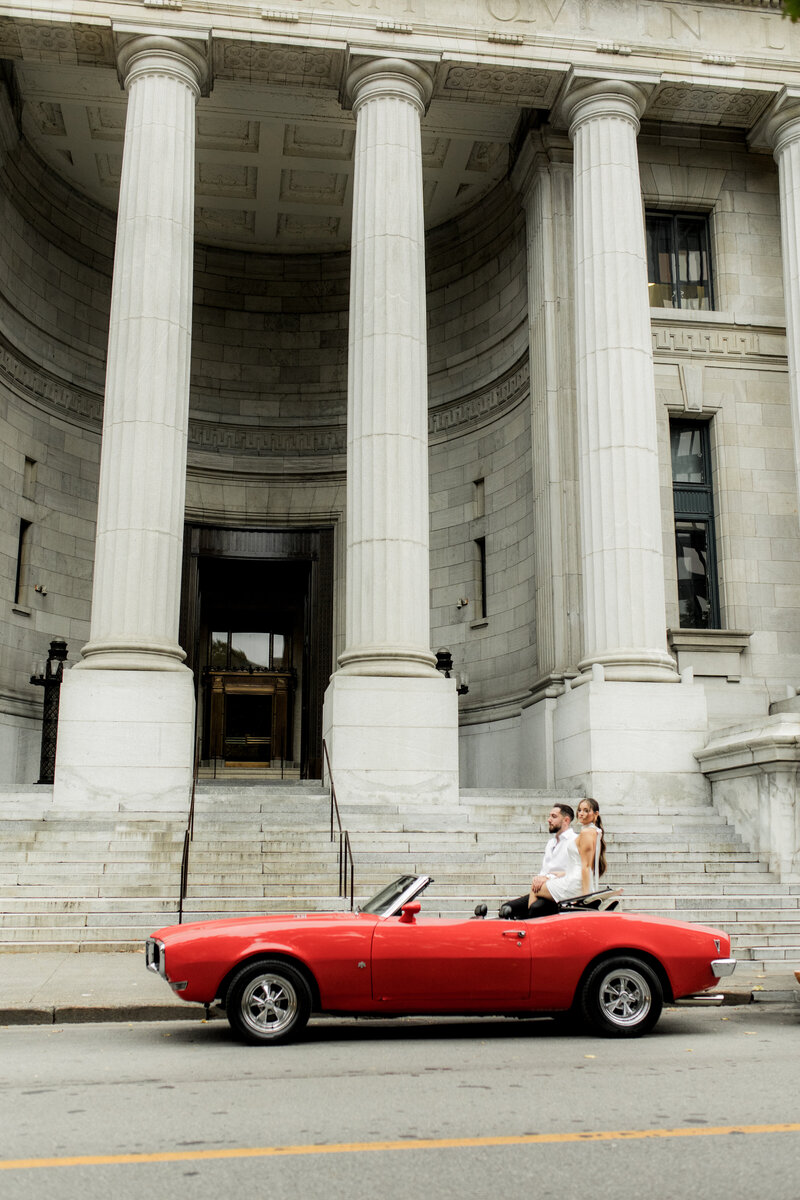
x=268 y=1001
x=622 y=997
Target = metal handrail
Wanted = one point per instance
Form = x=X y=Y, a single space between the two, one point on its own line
x=188 y=834
x=345 y=851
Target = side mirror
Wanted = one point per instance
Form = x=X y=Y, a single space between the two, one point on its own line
x=409 y=912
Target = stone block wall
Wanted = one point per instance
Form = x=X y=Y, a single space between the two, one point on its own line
x=477 y=297
x=56 y=494
x=481 y=488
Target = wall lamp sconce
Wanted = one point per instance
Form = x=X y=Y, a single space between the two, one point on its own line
x=444 y=663
x=462 y=602
x=40 y=588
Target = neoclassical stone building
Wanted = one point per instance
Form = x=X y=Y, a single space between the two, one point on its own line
x=337 y=334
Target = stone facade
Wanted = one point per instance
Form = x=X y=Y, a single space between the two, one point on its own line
x=347 y=247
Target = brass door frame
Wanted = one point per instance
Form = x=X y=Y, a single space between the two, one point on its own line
x=279 y=685
x=314 y=546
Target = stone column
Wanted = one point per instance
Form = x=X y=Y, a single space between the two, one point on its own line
x=783 y=132
x=390 y=718
x=622 y=557
x=137 y=570
x=125 y=737
x=388 y=603
x=543 y=176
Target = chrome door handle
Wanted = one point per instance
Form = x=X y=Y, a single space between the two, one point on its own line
x=517 y=933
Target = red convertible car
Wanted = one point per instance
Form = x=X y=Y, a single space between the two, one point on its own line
x=611 y=969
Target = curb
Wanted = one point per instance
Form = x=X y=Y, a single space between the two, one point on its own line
x=74 y=1014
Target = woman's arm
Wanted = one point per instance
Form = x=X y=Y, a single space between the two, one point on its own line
x=586 y=843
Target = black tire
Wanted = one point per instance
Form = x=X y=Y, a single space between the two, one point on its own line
x=622 y=997
x=268 y=1002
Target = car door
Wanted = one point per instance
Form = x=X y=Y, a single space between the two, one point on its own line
x=444 y=965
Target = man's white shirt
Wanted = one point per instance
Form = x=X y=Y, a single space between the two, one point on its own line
x=555 y=852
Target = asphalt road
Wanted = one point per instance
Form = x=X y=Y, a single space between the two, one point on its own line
x=361 y=1109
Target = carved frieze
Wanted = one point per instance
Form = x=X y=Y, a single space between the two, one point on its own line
x=729 y=107
x=275 y=64
x=74 y=44
x=717 y=341
x=476 y=408
x=31 y=382
x=252 y=439
x=537 y=89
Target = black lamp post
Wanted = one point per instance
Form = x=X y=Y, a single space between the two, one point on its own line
x=51 y=682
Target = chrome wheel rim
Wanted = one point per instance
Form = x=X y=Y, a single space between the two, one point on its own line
x=269 y=1004
x=625 y=997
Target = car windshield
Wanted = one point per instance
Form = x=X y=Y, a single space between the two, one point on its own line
x=387 y=899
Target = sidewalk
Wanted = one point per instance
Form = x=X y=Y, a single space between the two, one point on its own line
x=46 y=988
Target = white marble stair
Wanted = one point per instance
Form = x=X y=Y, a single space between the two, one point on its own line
x=89 y=882
x=265 y=847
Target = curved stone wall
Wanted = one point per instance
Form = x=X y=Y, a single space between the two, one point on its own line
x=267 y=422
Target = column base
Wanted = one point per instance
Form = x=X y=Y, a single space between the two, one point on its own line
x=631 y=666
x=391 y=739
x=113 y=656
x=402 y=662
x=125 y=741
x=620 y=741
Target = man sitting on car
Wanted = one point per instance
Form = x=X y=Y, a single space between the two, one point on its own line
x=554 y=864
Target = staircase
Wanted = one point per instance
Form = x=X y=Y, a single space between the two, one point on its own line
x=89 y=882
x=104 y=883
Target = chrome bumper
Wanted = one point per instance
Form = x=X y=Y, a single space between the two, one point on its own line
x=723 y=966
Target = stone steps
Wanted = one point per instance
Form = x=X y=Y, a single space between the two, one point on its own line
x=266 y=848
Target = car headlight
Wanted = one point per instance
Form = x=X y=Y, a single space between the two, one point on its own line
x=156 y=956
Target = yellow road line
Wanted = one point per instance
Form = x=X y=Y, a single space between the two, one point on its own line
x=530 y=1139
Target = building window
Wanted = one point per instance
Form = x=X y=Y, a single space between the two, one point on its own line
x=695 y=547
x=678 y=261
x=480 y=577
x=23 y=565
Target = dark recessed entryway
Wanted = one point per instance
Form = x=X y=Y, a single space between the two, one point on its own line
x=256 y=624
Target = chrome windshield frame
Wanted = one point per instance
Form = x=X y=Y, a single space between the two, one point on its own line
x=413 y=889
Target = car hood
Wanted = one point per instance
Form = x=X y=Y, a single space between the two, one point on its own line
x=243 y=925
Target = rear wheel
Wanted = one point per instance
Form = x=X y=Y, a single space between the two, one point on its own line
x=268 y=1002
x=622 y=997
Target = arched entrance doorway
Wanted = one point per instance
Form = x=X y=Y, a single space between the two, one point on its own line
x=256 y=624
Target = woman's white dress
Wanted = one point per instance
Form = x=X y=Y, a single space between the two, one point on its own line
x=569 y=884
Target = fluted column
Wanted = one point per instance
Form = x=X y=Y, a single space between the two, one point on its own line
x=388 y=603
x=137 y=572
x=622 y=556
x=784 y=132
x=543 y=176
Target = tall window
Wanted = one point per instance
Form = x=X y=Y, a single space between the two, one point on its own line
x=698 y=593
x=23 y=563
x=678 y=261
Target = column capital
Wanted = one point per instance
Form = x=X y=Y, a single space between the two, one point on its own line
x=154 y=54
x=780 y=125
x=384 y=77
x=542 y=149
x=609 y=96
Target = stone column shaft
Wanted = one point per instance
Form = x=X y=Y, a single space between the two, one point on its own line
x=137 y=572
x=388 y=603
x=547 y=196
x=623 y=573
x=786 y=140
